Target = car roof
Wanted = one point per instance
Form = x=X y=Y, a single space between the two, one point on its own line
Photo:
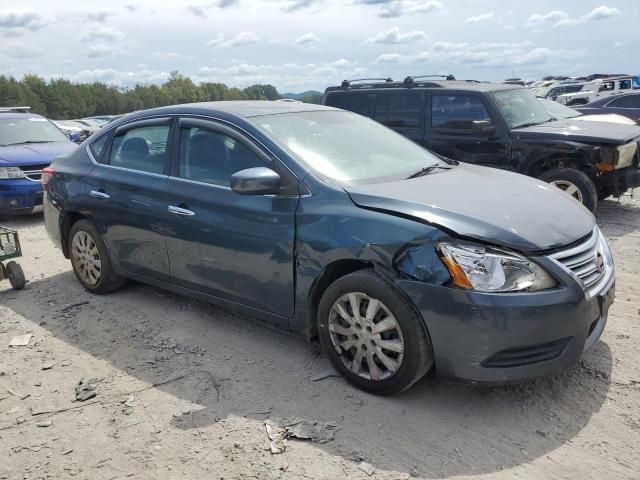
x=470 y=85
x=17 y=115
x=240 y=108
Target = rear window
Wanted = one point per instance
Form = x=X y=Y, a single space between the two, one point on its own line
x=361 y=103
x=399 y=110
x=630 y=101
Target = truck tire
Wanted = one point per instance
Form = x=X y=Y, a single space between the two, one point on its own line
x=575 y=183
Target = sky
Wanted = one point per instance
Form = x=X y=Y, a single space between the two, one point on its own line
x=298 y=45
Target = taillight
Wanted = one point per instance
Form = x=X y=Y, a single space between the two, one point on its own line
x=47 y=175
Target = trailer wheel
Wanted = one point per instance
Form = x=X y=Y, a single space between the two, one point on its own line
x=16 y=276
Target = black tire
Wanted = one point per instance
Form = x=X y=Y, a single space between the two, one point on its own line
x=587 y=189
x=108 y=280
x=16 y=276
x=417 y=353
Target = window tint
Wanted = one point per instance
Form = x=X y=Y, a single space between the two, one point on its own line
x=456 y=111
x=97 y=146
x=628 y=101
x=211 y=157
x=361 y=103
x=399 y=110
x=624 y=84
x=606 y=86
x=142 y=149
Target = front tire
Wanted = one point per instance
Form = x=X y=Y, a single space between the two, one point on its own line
x=575 y=183
x=90 y=259
x=372 y=334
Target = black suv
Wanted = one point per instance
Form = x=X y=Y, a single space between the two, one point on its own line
x=503 y=126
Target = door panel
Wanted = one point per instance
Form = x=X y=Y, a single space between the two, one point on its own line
x=236 y=247
x=127 y=199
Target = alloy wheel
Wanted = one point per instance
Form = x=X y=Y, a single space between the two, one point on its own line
x=86 y=258
x=367 y=336
x=569 y=188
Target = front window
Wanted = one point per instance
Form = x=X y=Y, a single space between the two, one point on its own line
x=520 y=108
x=558 y=110
x=18 y=131
x=346 y=148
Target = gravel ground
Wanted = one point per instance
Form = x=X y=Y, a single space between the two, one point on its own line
x=183 y=389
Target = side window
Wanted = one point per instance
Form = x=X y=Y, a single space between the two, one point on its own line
x=97 y=146
x=361 y=103
x=457 y=112
x=624 y=85
x=142 y=149
x=399 y=110
x=211 y=157
x=606 y=86
x=628 y=101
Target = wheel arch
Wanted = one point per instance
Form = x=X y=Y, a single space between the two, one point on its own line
x=66 y=223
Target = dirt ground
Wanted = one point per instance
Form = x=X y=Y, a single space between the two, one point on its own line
x=184 y=389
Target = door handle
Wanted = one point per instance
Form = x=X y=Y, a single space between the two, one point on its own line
x=99 y=194
x=181 y=211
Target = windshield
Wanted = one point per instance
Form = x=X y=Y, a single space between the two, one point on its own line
x=521 y=108
x=346 y=147
x=558 y=110
x=14 y=131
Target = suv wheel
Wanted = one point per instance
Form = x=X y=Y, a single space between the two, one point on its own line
x=90 y=259
x=372 y=335
x=575 y=183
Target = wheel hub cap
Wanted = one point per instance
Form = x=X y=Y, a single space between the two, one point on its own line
x=569 y=188
x=86 y=258
x=367 y=336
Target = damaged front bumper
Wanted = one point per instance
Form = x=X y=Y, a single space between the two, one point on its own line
x=502 y=338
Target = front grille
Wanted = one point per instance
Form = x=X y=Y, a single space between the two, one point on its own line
x=523 y=356
x=33 y=172
x=590 y=262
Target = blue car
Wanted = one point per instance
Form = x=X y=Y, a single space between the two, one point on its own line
x=327 y=223
x=28 y=143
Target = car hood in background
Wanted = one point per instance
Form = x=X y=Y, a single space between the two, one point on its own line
x=485 y=204
x=580 y=131
x=607 y=117
x=34 y=153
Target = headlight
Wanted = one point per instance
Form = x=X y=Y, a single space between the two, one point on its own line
x=10 y=172
x=491 y=270
x=626 y=155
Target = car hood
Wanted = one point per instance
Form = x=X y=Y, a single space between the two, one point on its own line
x=607 y=117
x=34 y=153
x=579 y=131
x=485 y=204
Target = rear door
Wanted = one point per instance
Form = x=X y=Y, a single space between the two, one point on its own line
x=402 y=111
x=450 y=130
x=235 y=247
x=127 y=199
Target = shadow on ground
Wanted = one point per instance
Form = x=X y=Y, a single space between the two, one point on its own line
x=436 y=429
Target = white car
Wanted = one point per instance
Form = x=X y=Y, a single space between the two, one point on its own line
x=562 y=112
x=597 y=89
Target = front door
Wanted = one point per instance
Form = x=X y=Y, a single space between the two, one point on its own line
x=451 y=134
x=235 y=247
x=127 y=199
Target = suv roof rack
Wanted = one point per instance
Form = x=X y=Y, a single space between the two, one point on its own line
x=15 y=109
x=412 y=78
x=347 y=83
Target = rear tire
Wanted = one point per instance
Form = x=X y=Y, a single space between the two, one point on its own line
x=16 y=276
x=90 y=259
x=383 y=348
x=575 y=183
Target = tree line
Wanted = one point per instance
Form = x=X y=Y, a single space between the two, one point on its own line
x=62 y=99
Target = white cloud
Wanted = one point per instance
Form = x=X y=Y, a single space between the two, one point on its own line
x=307 y=39
x=116 y=77
x=480 y=18
x=99 y=16
x=19 y=50
x=103 y=33
x=393 y=36
x=98 y=51
x=15 y=20
x=241 y=40
x=295 y=5
x=165 y=55
x=398 y=8
x=558 y=18
x=215 y=41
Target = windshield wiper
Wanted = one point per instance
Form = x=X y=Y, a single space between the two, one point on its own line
x=29 y=141
x=428 y=170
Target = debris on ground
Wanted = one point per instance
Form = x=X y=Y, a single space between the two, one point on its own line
x=279 y=430
x=328 y=373
x=21 y=340
x=86 y=389
x=45 y=424
x=367 y=468
x=48 y=365
x=71 y=306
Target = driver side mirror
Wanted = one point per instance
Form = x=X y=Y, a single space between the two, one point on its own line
x=255 y=181
x=483 y=128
